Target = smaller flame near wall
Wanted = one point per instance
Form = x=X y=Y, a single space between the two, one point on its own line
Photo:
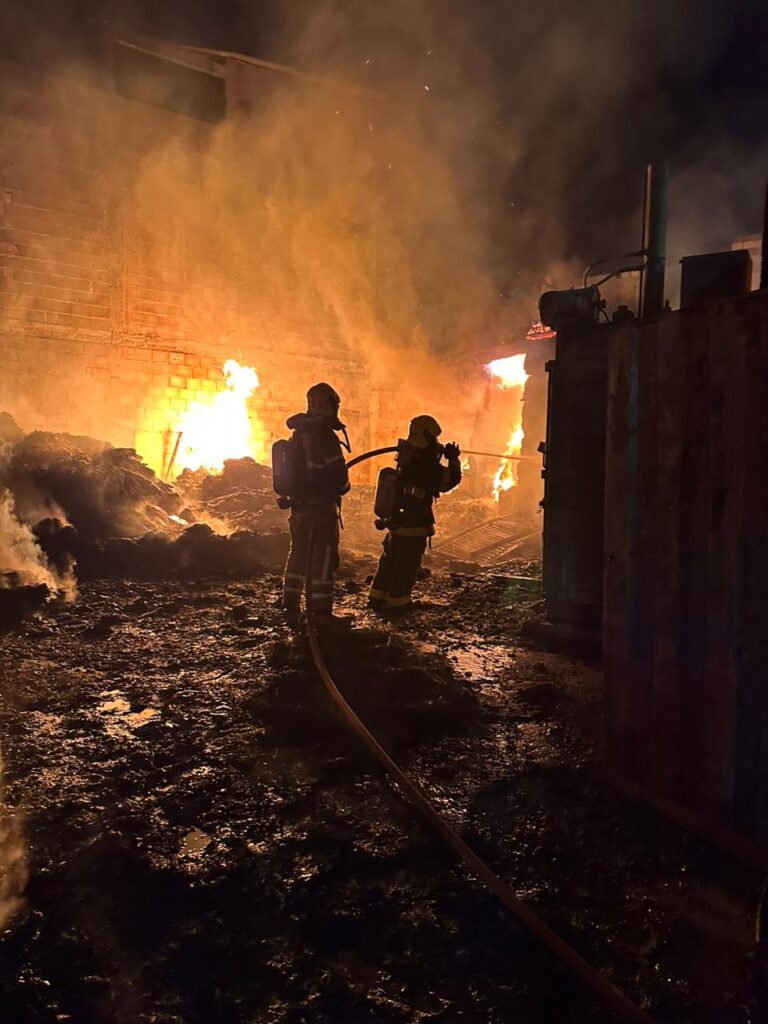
x=510 y=373
x=221 y=429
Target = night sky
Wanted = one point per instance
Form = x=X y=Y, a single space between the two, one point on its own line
x=591 y=92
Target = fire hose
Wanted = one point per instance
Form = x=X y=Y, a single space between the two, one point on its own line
x=611 y=996
x=464 y=451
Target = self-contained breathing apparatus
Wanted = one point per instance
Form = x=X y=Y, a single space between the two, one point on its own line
x=294 y=461
x=286 y=471
x=291 y=475
x=390 y=488
x=291 y=462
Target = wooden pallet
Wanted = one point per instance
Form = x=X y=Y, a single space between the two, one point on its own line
x=488 y=543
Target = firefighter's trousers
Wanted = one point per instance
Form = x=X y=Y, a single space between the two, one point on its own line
x=325 y=557
x=398 y=568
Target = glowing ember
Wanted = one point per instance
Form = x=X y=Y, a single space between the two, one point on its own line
x=510 y=373
x=221 y=429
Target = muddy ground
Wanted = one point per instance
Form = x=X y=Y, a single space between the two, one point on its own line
x=207 y=844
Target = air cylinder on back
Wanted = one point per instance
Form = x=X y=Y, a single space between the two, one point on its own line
x=285 y=468
x=386 y=494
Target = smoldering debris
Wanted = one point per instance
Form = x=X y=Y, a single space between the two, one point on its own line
x=238 y=498
x=27 y=579
x=99 y=490
x=76 y=507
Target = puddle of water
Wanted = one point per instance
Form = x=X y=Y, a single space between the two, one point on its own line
x=475 y=661
x=480 y=661
x=194 y=843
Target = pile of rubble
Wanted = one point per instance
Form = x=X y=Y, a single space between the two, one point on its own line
x=79 y=508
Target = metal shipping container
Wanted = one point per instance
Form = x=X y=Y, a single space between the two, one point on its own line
x=686 y=566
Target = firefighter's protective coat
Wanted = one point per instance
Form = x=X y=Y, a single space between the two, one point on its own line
x=421 y=477
x=321 y=479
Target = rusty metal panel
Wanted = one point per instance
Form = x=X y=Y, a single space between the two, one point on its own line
x=574 y=477
x=686 y=569
x=643 y=442
x=620 y=486
x=750 y=767
x=724 y=514
x=694 y=455
x=665 y=637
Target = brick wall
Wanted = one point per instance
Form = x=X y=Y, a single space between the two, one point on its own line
x=116 y=314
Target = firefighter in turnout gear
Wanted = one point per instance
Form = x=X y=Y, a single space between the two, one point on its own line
x=319 y=478
x=419 y=479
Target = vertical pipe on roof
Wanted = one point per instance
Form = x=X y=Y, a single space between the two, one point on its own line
x=654 y=240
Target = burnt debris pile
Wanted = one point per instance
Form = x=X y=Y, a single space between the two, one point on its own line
x=76 y=508
x=239 y=498
x=98 y=490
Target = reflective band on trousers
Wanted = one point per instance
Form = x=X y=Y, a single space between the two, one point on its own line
x=378 y=595
x=322 y=593
x=293 y=583
x=398 y=602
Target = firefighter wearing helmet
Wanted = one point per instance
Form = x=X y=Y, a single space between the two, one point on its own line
x=310 y=473
x=404 y=507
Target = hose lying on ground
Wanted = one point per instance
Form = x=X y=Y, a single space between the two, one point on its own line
x=607 y=992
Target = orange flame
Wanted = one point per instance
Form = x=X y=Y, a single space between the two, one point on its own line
x=221 y=429
x=510 y=373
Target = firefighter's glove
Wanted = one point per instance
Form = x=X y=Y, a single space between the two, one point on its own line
x=452 y=452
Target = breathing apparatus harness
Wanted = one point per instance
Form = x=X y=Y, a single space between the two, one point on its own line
x=390 y=488
x=289 y=469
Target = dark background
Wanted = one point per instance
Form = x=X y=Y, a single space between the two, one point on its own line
x=589 y=93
